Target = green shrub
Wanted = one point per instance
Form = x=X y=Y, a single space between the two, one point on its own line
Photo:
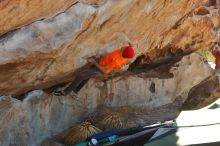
x=206 y=54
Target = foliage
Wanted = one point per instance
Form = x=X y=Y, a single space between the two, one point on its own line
x=206 y=54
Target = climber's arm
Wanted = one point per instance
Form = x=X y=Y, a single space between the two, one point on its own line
x=94 y=62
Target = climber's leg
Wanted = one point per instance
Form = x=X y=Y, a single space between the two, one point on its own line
x=79 y=81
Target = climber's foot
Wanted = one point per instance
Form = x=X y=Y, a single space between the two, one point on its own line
x=59 y=93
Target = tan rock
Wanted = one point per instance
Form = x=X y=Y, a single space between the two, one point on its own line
x=124 y=102
x=202 y=11
x=215 y=21
x=94 y=2
x=203 y=94
x=17 y=13
x=44 y=53
x=49 y=51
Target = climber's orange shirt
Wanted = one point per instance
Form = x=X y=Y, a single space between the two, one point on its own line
x=113 y=60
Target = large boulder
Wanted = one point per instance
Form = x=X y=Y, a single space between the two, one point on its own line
x=123 y=102
x=49 y=51
x=45 y=43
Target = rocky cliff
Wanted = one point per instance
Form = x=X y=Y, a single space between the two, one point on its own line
x=123 y=102
x=45 y=43
x=45 y=52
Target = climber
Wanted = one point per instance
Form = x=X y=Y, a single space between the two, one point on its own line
x=215 y=49
x=111 y=62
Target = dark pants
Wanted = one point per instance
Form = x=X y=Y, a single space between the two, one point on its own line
x=81 y=79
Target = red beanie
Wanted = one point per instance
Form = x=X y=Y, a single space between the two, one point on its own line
x=128 y=52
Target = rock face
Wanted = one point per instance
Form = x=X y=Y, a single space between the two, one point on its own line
x=17 y=13
x=47 y=52
x=44 y=43
x=140 y=100
x=203 y=94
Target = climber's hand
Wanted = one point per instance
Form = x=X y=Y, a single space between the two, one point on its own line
x=59 y=93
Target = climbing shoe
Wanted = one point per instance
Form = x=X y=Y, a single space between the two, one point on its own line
x=59 y=93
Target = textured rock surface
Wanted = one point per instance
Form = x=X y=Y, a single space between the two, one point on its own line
x=49 y=51
x=17 y=13
x=43 y=43
x=203 y=94
x=41 y=116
